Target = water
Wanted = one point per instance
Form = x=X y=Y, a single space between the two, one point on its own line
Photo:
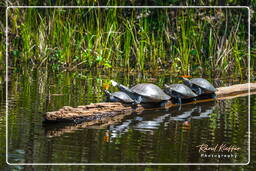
x=153 y=136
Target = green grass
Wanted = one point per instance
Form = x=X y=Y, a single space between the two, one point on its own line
x=184 y=41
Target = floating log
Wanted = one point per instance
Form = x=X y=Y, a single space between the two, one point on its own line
x=100 y=113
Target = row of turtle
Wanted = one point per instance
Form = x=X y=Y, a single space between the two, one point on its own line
x=151 y=93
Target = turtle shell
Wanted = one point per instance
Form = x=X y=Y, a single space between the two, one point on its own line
x=122 y=97
x=182 y=90
x=203 y=83
x=150 y=91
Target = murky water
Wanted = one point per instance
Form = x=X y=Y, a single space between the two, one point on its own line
x=155 y=136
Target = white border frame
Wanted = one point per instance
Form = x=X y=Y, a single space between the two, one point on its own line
x=67 y=7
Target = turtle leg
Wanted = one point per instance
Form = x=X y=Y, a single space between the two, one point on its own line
x=199 y=91
x=179 y=103
x=137 y=101
x=179 y=100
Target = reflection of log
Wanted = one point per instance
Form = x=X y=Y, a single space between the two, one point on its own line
x=101 y=112
x=53 y=130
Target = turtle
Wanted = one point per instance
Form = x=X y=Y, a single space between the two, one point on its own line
x=144 y=93
x=118 y=96
x=200 y=86
x=179 y=92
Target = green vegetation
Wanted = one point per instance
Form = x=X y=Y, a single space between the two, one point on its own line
x=185 y=41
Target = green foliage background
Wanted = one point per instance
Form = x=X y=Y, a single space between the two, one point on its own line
x=185 y=41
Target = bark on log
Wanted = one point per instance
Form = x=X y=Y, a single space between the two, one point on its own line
x=101 y=112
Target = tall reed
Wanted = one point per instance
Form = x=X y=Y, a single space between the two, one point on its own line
x=186 y=41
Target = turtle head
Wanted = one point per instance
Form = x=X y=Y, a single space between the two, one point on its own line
x=166 y=86
x=121 y=87
x=114 y=83
x=107 y=92
x=186 y=81
x=167 y=90
x=109 y=96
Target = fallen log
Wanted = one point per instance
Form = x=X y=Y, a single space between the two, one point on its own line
x=235 y=89
x=100 y=113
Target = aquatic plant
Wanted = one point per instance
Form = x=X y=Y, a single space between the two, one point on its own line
x=186 y=41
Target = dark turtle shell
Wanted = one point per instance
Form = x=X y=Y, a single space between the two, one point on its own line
x=151 y=92
x=181 y=89
x=119 y=96
x=203 y=83
x=122 y=96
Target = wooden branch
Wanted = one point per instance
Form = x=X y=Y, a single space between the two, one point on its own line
x=235 y=89
x=98 y=113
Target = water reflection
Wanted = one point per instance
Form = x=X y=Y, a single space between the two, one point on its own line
x=183 y=114
x=148 y=121
x=194 y=111
x=150 y=136
x=149 y=125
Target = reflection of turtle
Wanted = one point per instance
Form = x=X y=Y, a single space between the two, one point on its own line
x=118 y=96
x=184 y=114
x=200 y=86
x=204 y=110
x=179 y=91
x=144 y=93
